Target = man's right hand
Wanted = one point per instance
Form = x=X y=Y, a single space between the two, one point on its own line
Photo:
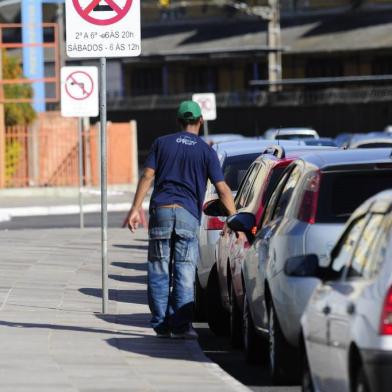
x=134 y=220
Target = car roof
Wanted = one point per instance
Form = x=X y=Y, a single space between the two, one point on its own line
x=293 y=131
x=242 y=147
x=337 y=157
x=373 y=137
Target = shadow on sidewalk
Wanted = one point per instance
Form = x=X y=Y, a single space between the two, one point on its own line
x=127 y=246
x=128 y=296
x=65 y=328
x=131 y=320
x=187 y=350
x=142 y=279
x=134 y=266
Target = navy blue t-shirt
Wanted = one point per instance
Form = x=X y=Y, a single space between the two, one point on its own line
x=183 y=162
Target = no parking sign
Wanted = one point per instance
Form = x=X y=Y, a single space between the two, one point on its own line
x=207 y=104
x=103 y=28
x=79 y=91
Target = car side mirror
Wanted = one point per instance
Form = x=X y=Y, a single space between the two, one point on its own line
x=214 y=208
x=243 y=221
x=306 y=266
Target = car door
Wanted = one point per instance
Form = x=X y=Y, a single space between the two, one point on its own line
x=315 y=321
x=253 y=268
x=342 y=301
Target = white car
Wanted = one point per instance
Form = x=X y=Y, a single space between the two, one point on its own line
x=290 y=133
x=347 y=325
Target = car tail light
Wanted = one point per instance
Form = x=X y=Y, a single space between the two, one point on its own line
x=215 y=223
x=386 y=315
x=308 y=207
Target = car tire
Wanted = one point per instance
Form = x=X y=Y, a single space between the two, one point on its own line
x=283 y=361
x=235 y=321
x=217 y=317
x=255 y=349
x=307 y=382
x=360 y=383
x=199 y=313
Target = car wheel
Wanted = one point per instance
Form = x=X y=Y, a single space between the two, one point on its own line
x=235 y=321
x=307 y=382
x=217 y=317
x=254 y=348
x=199 y=313
x=282 y=357
x=361 y=384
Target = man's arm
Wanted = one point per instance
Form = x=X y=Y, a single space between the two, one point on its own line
x=143 y=186
x=226 y=197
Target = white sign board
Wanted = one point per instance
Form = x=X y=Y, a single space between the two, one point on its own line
x=79 y=92
x=208 y=105
x=103 y=28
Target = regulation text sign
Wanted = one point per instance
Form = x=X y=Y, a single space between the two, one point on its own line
x=103 y=28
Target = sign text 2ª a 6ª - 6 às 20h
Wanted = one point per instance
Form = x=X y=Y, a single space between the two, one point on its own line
x=103 y=28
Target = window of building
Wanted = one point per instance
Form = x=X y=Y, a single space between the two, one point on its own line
x=201 y=78
x=146 y=81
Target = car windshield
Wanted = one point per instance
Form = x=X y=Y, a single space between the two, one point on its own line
x=235 y=167
x=294 y=136
x=342 y=192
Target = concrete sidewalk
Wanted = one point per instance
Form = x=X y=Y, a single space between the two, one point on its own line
x=53 y=337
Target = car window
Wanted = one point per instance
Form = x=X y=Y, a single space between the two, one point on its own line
x=246 y=185
x=360 y=263
x=271 y=203
x=257 y=184
x=344 y=250
x=377 y=254
x=234 y=169
x=287 y=192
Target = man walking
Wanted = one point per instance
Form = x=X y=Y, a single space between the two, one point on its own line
x=181 y=164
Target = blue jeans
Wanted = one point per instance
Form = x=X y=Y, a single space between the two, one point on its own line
x=172 y=258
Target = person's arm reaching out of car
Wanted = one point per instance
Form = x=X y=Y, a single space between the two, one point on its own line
x=143 y=186
x=226 y=197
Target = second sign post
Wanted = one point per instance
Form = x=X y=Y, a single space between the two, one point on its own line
x=101 y=29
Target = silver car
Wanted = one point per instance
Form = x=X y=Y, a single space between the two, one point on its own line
x=305 y=214
x=347 y=325
x=235 y=158
x=290 y=133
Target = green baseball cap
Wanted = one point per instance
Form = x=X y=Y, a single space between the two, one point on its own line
x=189 y=110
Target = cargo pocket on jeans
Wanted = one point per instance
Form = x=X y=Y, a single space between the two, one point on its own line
x=158 y=236
x=186 y=246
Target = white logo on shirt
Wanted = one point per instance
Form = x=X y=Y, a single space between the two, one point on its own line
x=186 y=140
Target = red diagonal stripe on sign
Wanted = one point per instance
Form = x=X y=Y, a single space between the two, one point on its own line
x=114 y=6
x=91 y=6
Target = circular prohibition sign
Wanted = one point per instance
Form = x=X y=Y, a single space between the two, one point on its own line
x=79 y=79
x=86 y=12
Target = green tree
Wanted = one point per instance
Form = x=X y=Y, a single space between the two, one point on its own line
x=16 y=113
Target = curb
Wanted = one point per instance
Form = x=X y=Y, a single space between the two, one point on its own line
x=6 y=214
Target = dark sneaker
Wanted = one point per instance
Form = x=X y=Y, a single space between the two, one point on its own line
x=191 y=334
x=162 y=335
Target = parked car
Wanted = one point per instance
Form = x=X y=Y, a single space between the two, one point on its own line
x=222 y=138
x=370 y=140
x=305 y=214
x=322 y=141
x=235 y=158
x=290 y=133
x=255 y=189
x=347 y=325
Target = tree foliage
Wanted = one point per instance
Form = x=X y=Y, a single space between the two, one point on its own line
x=16 y=113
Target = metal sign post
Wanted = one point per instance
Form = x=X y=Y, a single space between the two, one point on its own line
x=104 y=200
x=205 y=128
x=81 y=171
x=102 y=29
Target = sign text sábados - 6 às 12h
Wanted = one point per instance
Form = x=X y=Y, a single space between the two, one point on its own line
x=103 y=28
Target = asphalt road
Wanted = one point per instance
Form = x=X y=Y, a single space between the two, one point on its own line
x=218 y=349
x=115 y=219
